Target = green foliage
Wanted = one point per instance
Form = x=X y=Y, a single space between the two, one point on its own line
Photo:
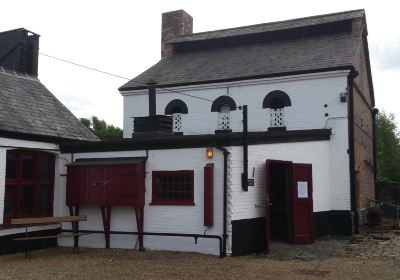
x=388 y=149
x=102 y=130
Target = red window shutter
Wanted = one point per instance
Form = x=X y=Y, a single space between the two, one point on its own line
x=209 y=195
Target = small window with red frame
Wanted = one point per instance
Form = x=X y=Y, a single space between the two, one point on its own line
x=173 y=187
x=29 y=184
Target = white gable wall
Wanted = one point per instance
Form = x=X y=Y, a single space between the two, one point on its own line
x=308 y=93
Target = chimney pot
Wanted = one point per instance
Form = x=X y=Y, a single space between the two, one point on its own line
x=175 y=23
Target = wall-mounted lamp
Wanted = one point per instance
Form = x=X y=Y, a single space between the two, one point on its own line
x=210 y=152
x=343 y=96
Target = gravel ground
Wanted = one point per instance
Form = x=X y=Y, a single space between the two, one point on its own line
x=358 y=260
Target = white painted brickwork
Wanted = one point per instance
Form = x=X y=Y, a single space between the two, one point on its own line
x=308 y=94
x=6 y=144
x=330 y=185
x=181 y=219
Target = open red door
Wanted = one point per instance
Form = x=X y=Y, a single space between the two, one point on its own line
x=303 y=221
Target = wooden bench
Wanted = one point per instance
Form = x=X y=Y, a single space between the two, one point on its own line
x=31 y=222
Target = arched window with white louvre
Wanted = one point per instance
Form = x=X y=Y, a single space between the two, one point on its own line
x=275 y=102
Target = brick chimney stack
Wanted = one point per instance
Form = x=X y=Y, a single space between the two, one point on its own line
x=175 y=23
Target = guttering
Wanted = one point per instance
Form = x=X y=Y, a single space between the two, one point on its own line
x=198 y=141
x=39 y=138
x=353 y=175
x=125 y=88
x=225 y=235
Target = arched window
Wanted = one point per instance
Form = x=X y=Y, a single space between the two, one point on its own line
x=223 y=105
x=276 y=101
x=176 y=108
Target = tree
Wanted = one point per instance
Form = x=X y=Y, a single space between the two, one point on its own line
x=388 y=148
x=101 y=129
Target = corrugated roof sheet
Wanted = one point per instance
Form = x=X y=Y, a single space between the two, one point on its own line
x=28 y=107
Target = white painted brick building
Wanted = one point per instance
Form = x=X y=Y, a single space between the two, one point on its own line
x=300 y=153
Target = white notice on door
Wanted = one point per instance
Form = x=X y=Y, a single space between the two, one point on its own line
x=302 y=189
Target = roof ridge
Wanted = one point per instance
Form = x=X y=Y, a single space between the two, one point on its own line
x=17 y=74
x=19 y=29
x=272 y=23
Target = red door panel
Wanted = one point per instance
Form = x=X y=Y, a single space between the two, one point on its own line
x=303 y=221
x=106 y=185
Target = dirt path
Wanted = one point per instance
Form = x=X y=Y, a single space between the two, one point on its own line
x=363 y=258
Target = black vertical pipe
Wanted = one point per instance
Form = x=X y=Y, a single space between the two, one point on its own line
x=245 y=174
x=152 y=97
x=375 y=112
x=353 y=179
x=225 y=235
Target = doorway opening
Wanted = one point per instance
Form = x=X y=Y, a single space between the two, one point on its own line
x=289 y=202
x=280 y=201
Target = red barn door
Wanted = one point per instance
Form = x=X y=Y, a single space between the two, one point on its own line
x=303 y=225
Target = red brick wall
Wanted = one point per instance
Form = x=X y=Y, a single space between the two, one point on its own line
x=174 y=24
x=363 y=131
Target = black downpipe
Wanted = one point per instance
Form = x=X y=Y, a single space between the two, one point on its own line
x=225 y=203
x=195 y=236
x=353 y=191
x=375 y=112
x=245 y=174
x=152 y=98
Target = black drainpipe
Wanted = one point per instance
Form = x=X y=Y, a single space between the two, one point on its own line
x=245 y=174
x=375 y=112
x=353 y=175
x=225 y=235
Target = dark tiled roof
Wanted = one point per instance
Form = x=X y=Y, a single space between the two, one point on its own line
x=272 y=26
x=28 y=108
x=251 y=61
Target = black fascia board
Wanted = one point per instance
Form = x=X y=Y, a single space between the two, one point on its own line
x=273 y=75
x=197 y=141
x=37 y=137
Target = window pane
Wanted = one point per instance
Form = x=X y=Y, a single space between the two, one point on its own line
x=173 y=186
x=27 y=200
x=11 y=166
x=9 y=201
x=43 y=200
x=28 y=166
x=44 y=167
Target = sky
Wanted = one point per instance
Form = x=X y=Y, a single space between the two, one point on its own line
x=123 y=38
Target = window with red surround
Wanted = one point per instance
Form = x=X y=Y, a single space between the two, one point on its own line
x=173 y=187
x=29 y=184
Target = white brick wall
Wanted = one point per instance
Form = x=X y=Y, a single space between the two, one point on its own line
x=6 y=144
x=308 y=94
x=181 y=219
x=331 y=190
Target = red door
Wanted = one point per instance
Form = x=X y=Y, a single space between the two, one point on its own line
x=303 y=225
